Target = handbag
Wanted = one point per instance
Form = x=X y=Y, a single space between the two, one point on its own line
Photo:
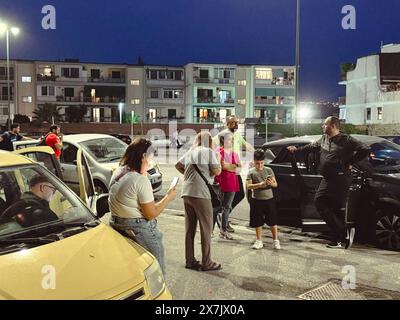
x=215 y=190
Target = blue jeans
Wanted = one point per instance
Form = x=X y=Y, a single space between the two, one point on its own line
x=146 y=234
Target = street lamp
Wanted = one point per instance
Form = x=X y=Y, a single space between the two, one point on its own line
x=4 y=28
x=121 y=108
x=297 y=64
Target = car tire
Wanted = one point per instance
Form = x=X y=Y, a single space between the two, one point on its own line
x=100 y=188
x=387 y=228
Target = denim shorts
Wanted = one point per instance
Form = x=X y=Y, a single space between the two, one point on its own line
x=146 y=234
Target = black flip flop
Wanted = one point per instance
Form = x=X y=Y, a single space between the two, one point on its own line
x=196 y=266
x=214 y=267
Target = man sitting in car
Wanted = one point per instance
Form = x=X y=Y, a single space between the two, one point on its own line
x=34 y=206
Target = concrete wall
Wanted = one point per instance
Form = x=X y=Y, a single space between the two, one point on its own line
x=24 y=89
x=107 y=128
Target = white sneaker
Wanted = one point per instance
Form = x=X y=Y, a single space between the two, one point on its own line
x=258 y=245
x=277 y=245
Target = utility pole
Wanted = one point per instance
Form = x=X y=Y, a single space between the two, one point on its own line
x=297 y=65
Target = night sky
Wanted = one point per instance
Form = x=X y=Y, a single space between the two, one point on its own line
x=220 y=31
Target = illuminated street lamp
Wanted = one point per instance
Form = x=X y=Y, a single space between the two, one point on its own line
x=304 y=113
x=121 y=108
x=4 y=28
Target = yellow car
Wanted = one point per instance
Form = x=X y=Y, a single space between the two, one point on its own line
x=67 y=254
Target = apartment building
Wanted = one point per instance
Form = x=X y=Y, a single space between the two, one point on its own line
x=164 y=93
x=194 y=93
x=373 y=89
x=217 y=91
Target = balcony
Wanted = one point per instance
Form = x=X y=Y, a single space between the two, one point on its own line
x=158 y=101
x=3 y=77
x=276 y=101
x=94 y=100
x=106 y=80
x=44 y=78
x=213 y=80
x=215 y=100
x=5 y=98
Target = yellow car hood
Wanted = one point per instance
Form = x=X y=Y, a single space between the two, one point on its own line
x=95 y=264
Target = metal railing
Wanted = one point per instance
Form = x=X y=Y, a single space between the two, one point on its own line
x=214 y=80
x=5 y=98
x=215 y=100
x=91 y=99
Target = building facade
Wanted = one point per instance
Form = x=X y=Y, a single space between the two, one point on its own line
x=373 y=89
x=194 y=93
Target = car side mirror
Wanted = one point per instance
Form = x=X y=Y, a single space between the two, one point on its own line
x=102 y=206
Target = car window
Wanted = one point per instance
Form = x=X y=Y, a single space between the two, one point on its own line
x=68 y=154
x=105 y=149
x=24 y=208
x=44 y=159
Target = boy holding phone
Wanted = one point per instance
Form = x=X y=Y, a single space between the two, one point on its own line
x=261 y=180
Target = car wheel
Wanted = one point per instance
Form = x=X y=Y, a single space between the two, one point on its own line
x=387 y=228
x=100 y=188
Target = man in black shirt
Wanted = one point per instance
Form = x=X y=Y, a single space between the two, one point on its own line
x=7 y=138
x=338 y=152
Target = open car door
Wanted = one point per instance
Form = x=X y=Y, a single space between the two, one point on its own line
x=86 y=185
x=44 y=156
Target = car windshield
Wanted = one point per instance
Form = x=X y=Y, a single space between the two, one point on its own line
x=105 y=149
x=31 y=198
x=385 y=145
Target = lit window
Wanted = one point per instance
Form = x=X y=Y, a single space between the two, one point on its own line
x=242 y=82
x=135 y=82
x=264 y=74
x=135 y=101
x=242 y=101
x=380 y=113
x=26 y=79
x=27 y=99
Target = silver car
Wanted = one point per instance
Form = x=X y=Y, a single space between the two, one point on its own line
x=103 y=154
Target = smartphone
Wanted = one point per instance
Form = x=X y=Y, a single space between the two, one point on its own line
x=174 y=182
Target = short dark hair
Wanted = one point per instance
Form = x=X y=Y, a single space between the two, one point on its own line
x=54 y=127
x=334 y=121
x=259 y=155
x=38 y=179
x=134 y=153
x=15 y=125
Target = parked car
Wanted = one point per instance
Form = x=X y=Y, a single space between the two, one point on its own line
x=87 y=259
x=261 y=138
x=374 y=200
x=395 y=139
x=103 y=153
x=164 y=143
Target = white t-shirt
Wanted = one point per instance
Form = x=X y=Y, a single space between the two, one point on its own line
x=128 y=190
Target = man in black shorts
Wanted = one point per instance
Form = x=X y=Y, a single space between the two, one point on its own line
x=261 y=180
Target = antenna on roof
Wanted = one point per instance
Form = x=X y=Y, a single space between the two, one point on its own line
x=382 y=44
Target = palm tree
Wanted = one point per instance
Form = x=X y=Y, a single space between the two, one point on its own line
x=46 y=113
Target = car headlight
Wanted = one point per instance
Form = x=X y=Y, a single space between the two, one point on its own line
x=155 y=279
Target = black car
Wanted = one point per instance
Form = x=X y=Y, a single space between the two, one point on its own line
x=395 y=139
x=373 y=205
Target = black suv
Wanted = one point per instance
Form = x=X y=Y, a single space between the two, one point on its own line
x=373 y=205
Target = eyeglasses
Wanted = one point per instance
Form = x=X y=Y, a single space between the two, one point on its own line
x=50 y=187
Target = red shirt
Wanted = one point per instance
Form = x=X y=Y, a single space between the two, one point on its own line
x=228 y=180
x=51 y=140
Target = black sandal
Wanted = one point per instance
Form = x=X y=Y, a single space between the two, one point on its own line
x=214 y=267
x=196 y=266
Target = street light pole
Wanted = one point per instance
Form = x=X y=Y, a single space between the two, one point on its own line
x=297 y=65
x=8 y=78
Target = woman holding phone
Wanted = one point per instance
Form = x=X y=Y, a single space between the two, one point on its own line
x=132 y=205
